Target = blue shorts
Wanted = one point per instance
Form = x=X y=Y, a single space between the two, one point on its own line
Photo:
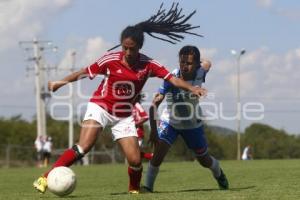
x=194 y=138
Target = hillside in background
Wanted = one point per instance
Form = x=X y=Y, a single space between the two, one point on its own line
x=221 y=130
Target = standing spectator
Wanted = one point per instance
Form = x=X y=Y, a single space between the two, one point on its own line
x=47 y=149
x=38 y=144
x=247 y=153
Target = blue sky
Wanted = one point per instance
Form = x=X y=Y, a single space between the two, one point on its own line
x=268 y=29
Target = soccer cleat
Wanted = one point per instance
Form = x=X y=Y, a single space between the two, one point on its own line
x=134 y=192
x=222 y=181
x=145 y=189
x=40 y=184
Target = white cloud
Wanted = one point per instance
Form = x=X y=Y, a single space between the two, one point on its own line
x=62 y=3
x=87 y=52
x=23 y=20
x=224 y=66
x=248 y=82
x=282 y=73
x=251 y=57
x=292 y=12
x=297 y=53
x=263 y=74
x=94 y=49
x=66 y=62
x=264 y=3
x=208 y=53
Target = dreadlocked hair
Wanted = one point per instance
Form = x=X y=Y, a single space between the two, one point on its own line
x=168 y=26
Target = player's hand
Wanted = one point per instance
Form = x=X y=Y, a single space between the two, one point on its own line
x=153 y=139
x=54 y=85
x=200 y=92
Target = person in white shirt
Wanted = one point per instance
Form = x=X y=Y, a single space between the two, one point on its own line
x=247 y=153
x=47 y=149
x=38 y=144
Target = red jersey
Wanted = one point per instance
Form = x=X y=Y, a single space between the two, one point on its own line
x=139 y=114
x=118 y=90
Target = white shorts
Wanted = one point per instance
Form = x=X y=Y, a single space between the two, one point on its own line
x=121 y=127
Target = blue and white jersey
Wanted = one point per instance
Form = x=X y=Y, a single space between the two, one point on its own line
x=183 y=110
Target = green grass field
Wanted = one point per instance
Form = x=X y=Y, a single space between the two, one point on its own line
x=258 y=179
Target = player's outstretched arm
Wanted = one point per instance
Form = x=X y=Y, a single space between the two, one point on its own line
x=186 y=86
x=153 y=139
x=55 y=85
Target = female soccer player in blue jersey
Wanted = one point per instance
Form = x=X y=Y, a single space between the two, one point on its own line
x=182 y=117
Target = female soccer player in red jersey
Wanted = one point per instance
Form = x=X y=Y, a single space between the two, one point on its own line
x=125 y=74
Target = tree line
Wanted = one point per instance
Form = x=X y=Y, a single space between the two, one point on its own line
x=267 y=142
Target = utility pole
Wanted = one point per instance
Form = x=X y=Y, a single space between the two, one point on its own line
x=37 y=47
x=238 y=63
x=71 y=101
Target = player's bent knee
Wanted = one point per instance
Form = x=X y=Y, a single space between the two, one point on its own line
x=200 y=152
x=134 y=161
x=204 y=160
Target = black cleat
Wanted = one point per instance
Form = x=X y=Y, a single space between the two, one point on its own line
x=145 y=189
x=222 y=181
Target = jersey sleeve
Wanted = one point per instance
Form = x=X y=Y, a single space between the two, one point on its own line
x=164 y=88
x=157 y=70
x=99 y=67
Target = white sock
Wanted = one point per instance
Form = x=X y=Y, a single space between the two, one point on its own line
x=151 y=176
x=80 y=149
x=215 y=168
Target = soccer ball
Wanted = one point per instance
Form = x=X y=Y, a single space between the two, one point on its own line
x=61 y=181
